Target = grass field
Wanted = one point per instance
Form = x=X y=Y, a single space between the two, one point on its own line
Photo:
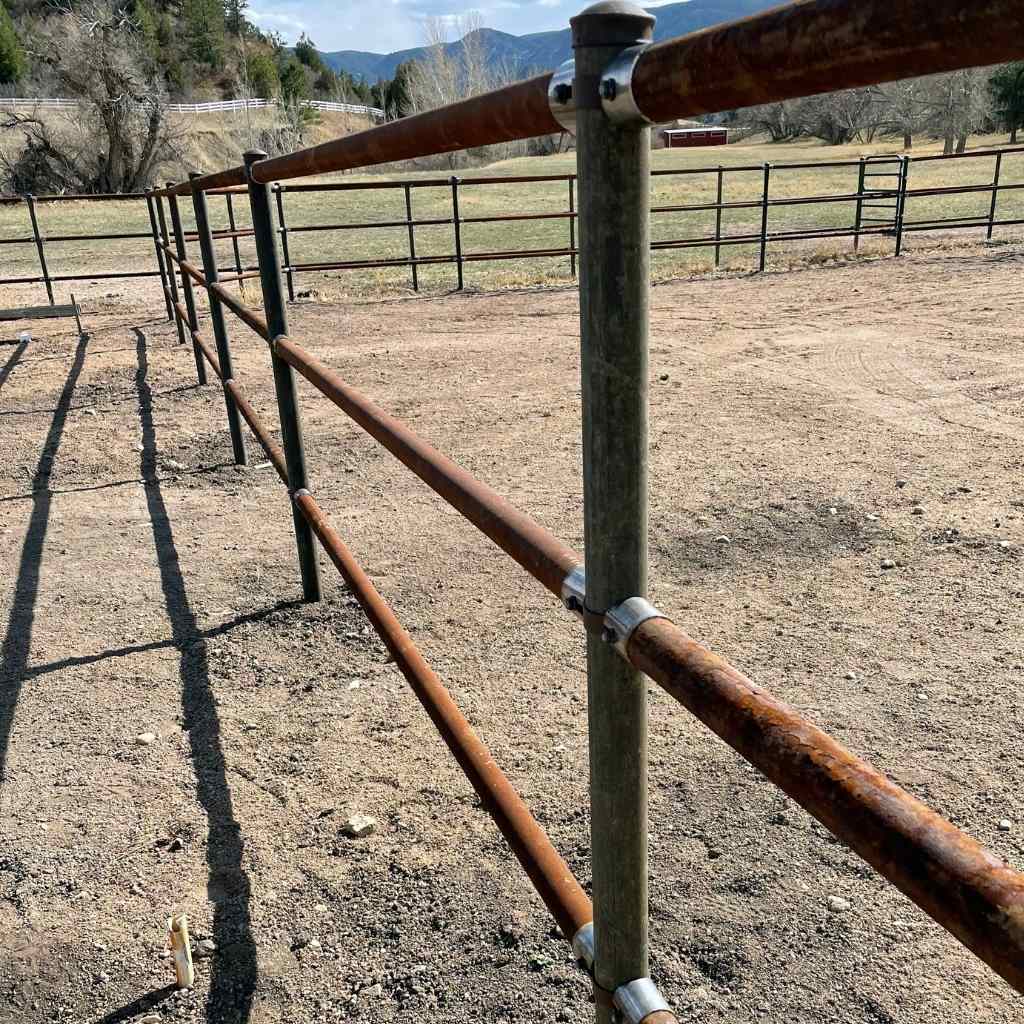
x=542 y=197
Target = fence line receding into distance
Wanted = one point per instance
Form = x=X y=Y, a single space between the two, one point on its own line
x=880 y=200
x=620 y=83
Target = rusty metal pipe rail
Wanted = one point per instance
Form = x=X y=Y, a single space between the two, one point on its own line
x=803 y=48
x=550 y=875
x=949 y=875
x=534 y=548
x=958 y=883
x=256 y=425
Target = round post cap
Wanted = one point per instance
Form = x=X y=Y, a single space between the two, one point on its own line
x=612 y=23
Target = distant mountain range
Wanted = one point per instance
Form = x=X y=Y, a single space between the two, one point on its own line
x=541 y=51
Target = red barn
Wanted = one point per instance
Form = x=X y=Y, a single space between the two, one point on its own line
x=708 y=135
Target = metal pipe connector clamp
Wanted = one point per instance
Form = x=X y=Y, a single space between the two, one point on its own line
x=638 y=999
x=583 y=945
x=622 y=621
x=617 y=99
x=574 y=590
x=562 y=95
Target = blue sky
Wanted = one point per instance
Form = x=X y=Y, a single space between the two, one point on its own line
x=383 y=26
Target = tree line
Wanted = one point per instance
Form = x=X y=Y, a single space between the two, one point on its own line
x=950 y=107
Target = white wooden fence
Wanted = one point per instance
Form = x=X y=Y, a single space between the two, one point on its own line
x=213 y=106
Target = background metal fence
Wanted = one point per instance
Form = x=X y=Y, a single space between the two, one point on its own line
x=881 y=200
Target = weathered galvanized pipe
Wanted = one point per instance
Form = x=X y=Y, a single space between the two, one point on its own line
x=551 y=876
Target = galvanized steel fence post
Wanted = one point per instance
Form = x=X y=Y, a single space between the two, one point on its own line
x=283 y=228
x=220 y=328
x=186 y=281
x=613 y=163
x=164 y=287
x=412 y=238
x=859 y=218
x=30 y=201
x=764 y=218
x=995 y=196
x=456 y=221
x=233 y=228
x=284 y=376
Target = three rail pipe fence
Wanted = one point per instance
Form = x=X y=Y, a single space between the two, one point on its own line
x=880 y=201
x=620 y=83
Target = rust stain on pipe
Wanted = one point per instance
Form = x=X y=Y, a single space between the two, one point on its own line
x=514 y=112
x=816 y=46
x=548 y=872
x=534 y=548
x=955 y=880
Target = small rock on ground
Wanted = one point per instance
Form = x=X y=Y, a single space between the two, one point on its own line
x=358 y=825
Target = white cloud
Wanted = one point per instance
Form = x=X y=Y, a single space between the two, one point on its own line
x=278 y=21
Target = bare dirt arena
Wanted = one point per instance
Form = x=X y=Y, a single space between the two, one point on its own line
x=825 y=422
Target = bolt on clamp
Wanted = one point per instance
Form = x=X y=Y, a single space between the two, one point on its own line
x=619 y=623
x=617 y=98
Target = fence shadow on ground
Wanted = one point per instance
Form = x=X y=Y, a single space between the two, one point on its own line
x=17 y=642
x=233 y=970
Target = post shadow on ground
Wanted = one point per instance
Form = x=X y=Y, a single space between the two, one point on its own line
x=9 y=364
x=17 y=641
x=233 y=968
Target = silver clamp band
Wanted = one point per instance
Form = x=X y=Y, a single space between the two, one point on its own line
x=617 y=98
x=562 y=95
x=583 y=945
x=639 y=999
x=622 y=621
x=574 y=589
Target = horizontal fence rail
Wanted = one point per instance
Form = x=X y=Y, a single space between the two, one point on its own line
x=878 y=186
x=807 y=47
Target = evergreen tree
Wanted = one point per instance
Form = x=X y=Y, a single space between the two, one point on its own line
x=234 y=16
x=294 y=86
x=306 y=53
x=13 y=62
x=1007 y=87
x=262 y=74
x=204 y=28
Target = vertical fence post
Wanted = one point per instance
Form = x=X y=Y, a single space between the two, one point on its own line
x=31 y=203
x=220 y=329
x=171 y=277
x=718 y=217
x=995 y=196
x=901 y=202
x=859 y=218
x=186 y=281
x=572 y=225
x=284 y=376
x=164 y=287
x=456 y=221
x=764 y=218
x=233 y=228
x=283 y=227
x=412 y=239
x=613 y=164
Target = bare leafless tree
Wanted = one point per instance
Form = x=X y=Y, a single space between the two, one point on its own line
x=120 y=130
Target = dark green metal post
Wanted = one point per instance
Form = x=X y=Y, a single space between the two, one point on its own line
x=233 y=227
x=995 y=196
x=284 y=377
x=160 y=262
x=412 y=239
x=718 y=218
x=186 y=281
x=457 y=222
x=40 y=248
x=613 y=163
x=572 y=225
x=901 y=203
x=171 y=277
x=762 y=262
x=283 y=228
x=860 y=204
x=220 y=328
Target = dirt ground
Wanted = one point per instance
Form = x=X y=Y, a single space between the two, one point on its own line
x=824 y=421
